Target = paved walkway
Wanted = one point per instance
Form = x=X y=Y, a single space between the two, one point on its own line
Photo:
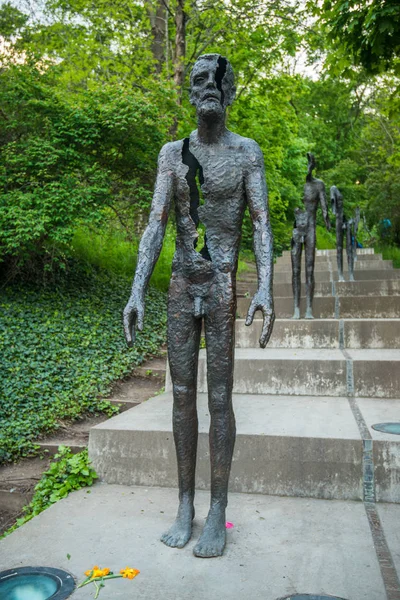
x=278 y=546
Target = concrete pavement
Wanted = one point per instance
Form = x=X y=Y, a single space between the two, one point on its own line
x=278 y=546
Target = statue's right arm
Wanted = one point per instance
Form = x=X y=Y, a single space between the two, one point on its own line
x=150 y=246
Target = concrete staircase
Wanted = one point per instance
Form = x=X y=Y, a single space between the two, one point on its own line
x=304 y=406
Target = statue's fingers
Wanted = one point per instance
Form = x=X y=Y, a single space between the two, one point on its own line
x=129 y=327
x=140 y=319
x=268 y=324
x=251 y=312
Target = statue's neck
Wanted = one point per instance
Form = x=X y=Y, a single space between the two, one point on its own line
x=211 y=130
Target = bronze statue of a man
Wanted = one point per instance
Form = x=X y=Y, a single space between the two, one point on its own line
x=337 y=209
x=305 y=233
x=227 y=171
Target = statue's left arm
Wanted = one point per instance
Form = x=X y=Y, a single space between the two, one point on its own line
x=257 y=199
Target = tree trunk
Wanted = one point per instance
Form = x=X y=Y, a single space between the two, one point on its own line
x=180 y=48
x=158 y=16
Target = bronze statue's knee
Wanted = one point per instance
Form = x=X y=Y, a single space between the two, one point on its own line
x=184 y=394
x=220 y=400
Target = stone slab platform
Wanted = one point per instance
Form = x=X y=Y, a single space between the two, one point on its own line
x=326 y=260
x=332 y=252
x=385 y=287
x=323 y=333
x=312 y=372
x=285 y=446
x=283 y=289
x=359 y=265
x=326 y=275
x=278 y=546
x=347 y=307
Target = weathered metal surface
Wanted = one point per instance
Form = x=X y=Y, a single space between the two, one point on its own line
x=304 y=233
x=210 y=176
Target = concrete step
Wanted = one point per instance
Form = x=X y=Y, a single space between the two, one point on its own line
x=332 y=252
x=359 y=265
x=368 y=307
x=323 y=333
x=324 y=308
x=312 y=372
x=286 y=446
x=323 y=276
x=283 y=289
x=385 y=287
x=326 y=260
x=363 y=307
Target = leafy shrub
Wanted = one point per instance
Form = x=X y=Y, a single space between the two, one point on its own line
x=110 y=248
x=326 y=239
x=65 y=159
x=61 y=348
x=67 y=473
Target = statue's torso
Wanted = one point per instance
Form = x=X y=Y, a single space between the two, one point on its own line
x=312 y=191
x=221 y=206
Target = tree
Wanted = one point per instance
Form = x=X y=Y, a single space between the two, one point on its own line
x=367 y=31
x=66 y=162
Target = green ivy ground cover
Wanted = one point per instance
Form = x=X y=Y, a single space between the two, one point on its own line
x=61 y=348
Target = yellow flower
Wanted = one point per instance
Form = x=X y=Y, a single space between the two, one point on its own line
x=97 y=572
x=129 y=573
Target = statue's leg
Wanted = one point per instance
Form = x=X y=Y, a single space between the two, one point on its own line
x=220 y=337
x=339 y=245
x=183 y=349
x=309 y=251
x=295 y=254
x=350 y=252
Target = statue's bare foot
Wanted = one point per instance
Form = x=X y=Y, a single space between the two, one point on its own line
x=181 y=531
x=341 y=278
x=351 y=278
x=212 y=540
x=296 y=314
x=308 y=314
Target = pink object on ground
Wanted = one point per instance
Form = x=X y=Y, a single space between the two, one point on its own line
x=229 y=525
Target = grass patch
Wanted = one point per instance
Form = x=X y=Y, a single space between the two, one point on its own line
x=111 y=249
x=326 y=240
x=389 y=253
x=62 y=348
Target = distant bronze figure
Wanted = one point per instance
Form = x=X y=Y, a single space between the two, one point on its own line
x=348 y=225
x=351 y=227
x=227 y=171
x=305 y=234
x=337 y=210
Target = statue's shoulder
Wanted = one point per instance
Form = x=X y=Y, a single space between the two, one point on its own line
x=248 y=148
x=170 y=149
x=170 y=155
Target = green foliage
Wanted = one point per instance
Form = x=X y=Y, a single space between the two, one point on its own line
x=389 y=253
x=368 y=32
x=12 y=21
x=64 y=161
x=67 y=473
x=110 y=248
x=62 y=347
x=325 y=239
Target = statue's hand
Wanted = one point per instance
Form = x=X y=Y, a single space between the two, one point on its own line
x=262 y=301
x=133 y=317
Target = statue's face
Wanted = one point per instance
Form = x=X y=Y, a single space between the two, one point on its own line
x=210 y=92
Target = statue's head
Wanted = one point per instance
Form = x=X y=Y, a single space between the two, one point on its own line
x=311 y=162
x=212 y=85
